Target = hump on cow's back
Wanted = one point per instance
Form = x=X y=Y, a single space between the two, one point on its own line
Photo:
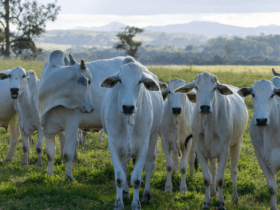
x=58 y=58
x=128 y=59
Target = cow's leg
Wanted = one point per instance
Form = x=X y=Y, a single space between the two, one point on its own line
x=234 y=157
x=191 y=159
x=136 y=176
x=71 y=133
x=62 y=142
x=119 y=174
x=220 y=176
x=124 y=165
x=100 y=134
x=271 y=183
x=85 y=135
x=75 y=158
x=207 y=179
x=149 y=165
x=39 y=145
x=168 y=164
x=183 y=167
x=26 y=148
x=14 y=129
x=50 y=143
x=213 y=170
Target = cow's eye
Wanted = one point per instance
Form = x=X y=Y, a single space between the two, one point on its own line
x=214 y=88
x=272 y=95
x=196 y=88
x=169 y=92
x=120 y=81
x=23 y=76
x=9 y=75
x=140 y=82
x=89 y=82
x=253 y=95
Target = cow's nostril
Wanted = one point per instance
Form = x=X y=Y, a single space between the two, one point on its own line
x=261 y=121
x=14 y=90
x=128 y=109
x=205 y=108
x=176 y=110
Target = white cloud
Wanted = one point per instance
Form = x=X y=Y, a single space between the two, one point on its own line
x=68 y=21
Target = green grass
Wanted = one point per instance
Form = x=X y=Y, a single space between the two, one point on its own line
x=93 y=187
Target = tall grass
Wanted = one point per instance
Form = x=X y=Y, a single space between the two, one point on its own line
x=93 y=187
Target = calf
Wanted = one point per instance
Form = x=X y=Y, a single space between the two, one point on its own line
x=174 y=130
x=131 y=115
x=220 y=118
x=264 y=129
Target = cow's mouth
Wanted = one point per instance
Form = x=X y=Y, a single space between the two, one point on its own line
x=14 y=95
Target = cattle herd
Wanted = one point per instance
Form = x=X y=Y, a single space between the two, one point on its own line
x=202 y=118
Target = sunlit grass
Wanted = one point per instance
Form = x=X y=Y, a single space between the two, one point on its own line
x=93 y=187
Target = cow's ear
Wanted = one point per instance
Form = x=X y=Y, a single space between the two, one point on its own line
x=110 y=82
x=244 y=92
x=149 y=83
x=192 y=97
x=277 y=92
x=186 y=88
x=224 y=90
x=4 y=76
x=162 y=85
x=164 y=93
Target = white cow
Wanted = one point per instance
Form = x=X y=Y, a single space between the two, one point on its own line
x=8 y=116
x=174 y=130
x=62 y=94
x=264 y=129
x=131 y=115
x=218 y=124
x=22 y=86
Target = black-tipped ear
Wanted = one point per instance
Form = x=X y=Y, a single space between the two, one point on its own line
x=164 y=93
x=162 y=85
x=224 y=90
x=4 y=76
x=110 y=82
x=83 y=65
x=72 y=60
x=244 y=92
x=192 y=97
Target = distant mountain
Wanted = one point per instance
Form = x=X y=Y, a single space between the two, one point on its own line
x=113 y=26
x=214 y=29
x=196 y=27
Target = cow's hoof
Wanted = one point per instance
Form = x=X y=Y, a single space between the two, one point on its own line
x=183 y=190
x=213 y=193
x=24 y=164
x=136 y=206
x=221 y=206
x=126 y=194
x=118 y=205
x=234 y=200
x=168 y=189
x=39 y=164
x=146 y=197
x=8 y=160
x=69 y=177
x=206 y=205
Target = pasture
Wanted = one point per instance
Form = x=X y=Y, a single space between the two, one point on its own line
x=93 y=187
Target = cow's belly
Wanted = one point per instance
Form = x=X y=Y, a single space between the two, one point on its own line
x=274 y=160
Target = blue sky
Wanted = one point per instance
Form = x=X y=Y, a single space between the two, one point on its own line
x=161 y=12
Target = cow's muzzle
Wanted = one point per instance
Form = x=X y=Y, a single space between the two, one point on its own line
x=176 y=110
x=261 y=121
x=205 y=109
x=128 y=110
x=14 y=93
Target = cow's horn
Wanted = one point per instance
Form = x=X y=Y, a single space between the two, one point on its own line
x=83 y=65
x=72 y=60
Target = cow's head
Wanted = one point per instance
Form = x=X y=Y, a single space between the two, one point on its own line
x=129 y=80
x=18 y=79
x=79 y=85
x=263 y=93
x=206 y=86
x=176 y=101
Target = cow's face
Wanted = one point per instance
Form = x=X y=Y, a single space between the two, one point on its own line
x=263 y=93
x=18 y=78
x=176 y=101
x=206 y=86
x=129 y=81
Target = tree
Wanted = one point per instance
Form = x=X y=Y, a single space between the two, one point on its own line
x=229 y=48
x=30 y=19
x=127 y=43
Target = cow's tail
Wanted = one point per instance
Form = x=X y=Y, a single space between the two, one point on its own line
x=195 y=162
x=187 y=140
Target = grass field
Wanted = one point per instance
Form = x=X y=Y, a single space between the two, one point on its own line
x=93 y=187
